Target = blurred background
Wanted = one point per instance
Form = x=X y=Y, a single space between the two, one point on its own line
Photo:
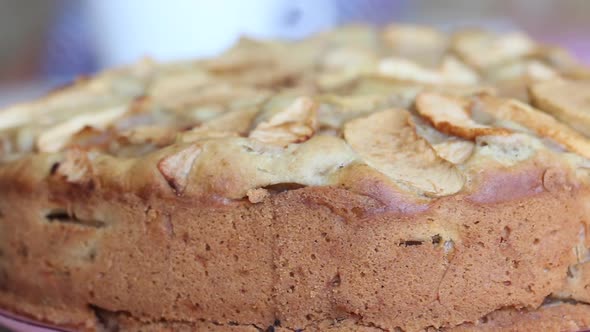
x=44 y=44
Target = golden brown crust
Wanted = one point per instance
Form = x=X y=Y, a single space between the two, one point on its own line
x=301 y=183
x=542 y=124
x=281 y=270
x=568 y=101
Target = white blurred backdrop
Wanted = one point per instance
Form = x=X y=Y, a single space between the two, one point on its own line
x=48 y=43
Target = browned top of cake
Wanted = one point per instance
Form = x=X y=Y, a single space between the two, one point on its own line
x=419 y=110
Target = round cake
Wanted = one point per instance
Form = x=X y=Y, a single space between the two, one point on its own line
x=394 y=179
